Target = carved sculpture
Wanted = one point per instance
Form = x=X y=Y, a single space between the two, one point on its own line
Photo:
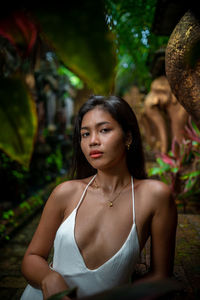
x=135 y=99
x=183 y=63
x=164 y=117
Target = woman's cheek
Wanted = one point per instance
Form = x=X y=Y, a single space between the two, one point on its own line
x=117 y=144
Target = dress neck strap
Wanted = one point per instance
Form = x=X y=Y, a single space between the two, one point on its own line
x=85 y=190
x=91 y=180
x=133 y=199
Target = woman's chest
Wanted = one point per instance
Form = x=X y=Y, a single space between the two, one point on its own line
x=100 y=231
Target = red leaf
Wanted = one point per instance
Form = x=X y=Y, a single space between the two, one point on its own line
x=168 y=160
x=21 y=32
x=28 y=29
x=191 y=133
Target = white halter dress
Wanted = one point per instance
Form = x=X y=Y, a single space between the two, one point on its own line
x=68 y=261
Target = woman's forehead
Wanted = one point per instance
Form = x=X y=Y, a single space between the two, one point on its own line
x=97 y=114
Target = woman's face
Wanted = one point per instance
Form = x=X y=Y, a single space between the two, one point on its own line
x=102 y=139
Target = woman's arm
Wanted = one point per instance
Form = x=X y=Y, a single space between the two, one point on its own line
x=163 y=232
x=35 y=267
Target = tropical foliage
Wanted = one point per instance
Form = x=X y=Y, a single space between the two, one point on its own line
x=131 y=21
x=25 y=33
x=15 y=217
x=104 y=45
x=107 y=44
x=180 y=168
x=50 y=153
x=18 y=119
x=83 y=50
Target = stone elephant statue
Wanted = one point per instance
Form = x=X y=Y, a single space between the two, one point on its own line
x=163 y=116
x=182 y=63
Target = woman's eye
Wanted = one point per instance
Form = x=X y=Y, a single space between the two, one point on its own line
x=104 y=130
x=84 y=134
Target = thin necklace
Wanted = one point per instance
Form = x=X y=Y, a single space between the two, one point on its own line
x=111 y=201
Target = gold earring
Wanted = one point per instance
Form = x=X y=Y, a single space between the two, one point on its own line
x=128 y=146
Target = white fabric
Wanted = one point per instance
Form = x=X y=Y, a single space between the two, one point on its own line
x=69 y=262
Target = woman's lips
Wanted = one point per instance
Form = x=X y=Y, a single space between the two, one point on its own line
x=96 y=154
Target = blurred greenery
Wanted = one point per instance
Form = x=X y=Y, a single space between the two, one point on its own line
x=180 y=167
x=79 y=49
x=74 y=80
x=131 y=21
x=84 y=44
x=18 y=119
x=106 y=45
x=11 y=219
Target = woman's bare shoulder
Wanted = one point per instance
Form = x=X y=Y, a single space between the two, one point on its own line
x=153 y=185
x=153 y=191
x=70 y=188
x=65 y=196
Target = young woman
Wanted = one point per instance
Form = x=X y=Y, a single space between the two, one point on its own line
x=100 y=221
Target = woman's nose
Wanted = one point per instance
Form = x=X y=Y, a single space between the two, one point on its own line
x=94 y=139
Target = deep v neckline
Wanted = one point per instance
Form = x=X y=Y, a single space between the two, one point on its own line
x=108 y=260
x=123 y=244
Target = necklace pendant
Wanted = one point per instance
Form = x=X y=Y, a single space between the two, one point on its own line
x=110 y=204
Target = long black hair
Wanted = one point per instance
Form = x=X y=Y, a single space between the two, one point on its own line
x=120 y=110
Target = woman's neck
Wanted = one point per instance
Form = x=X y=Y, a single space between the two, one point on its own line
x=112 y=180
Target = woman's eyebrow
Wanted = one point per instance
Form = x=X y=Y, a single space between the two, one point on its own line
x=97 y=125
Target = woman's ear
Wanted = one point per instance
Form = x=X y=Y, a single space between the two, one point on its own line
x=129 y=138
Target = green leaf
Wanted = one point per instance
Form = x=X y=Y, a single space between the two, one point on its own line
x=8 y=214
x=174 y=170
x=74 y=80
x=184 y=177
x=195 y=127
x=81 y=39
x=154 y=171
x=161 y=162
x=164 y=179
x=18 y=120
x=189 y=184
x=190 y=175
